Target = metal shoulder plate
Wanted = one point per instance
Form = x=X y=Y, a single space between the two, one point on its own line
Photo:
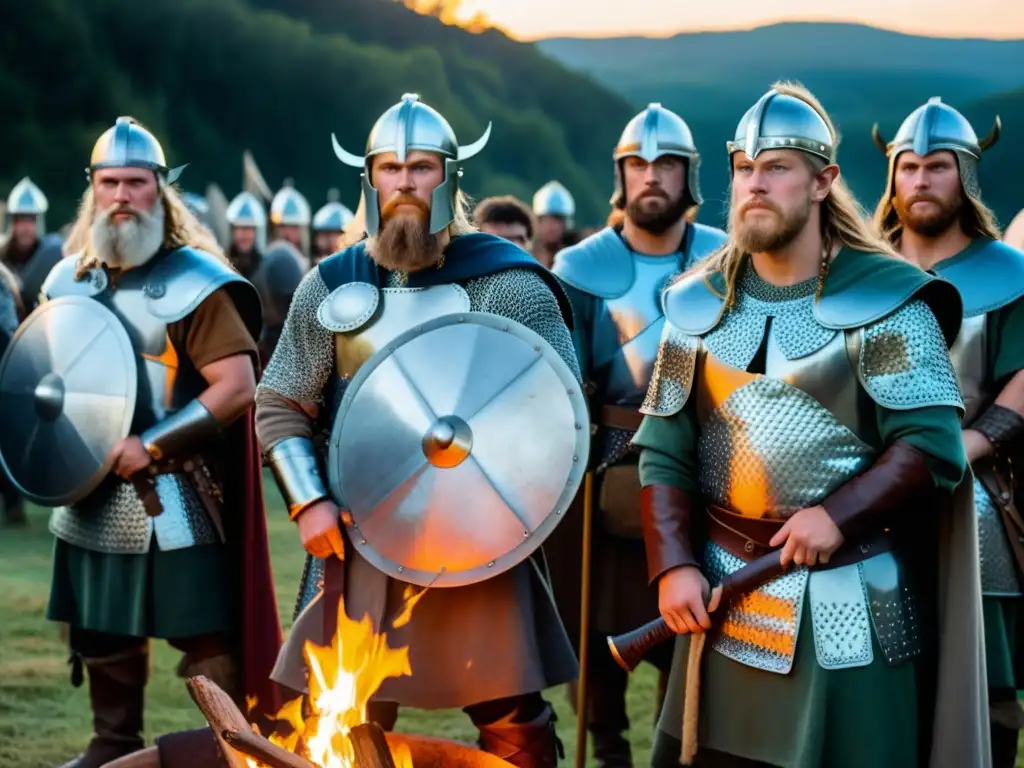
x=61 y=280
x=988 y=277
x=904 y=363
x=695 y=304
x=706 y=240
x=672 y=378
x=862 y=288
x=186 y=277
x=348 y=307
x=601 y=265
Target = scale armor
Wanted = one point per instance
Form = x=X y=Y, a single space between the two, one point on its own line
x=303 y=364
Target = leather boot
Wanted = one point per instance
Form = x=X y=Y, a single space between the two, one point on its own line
x=117 y=686
x=608 y=721
x=526 y=745
x=221 y=669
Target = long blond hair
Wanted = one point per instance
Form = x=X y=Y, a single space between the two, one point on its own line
x=843 y=219
x=181 y=228
x=976 y=218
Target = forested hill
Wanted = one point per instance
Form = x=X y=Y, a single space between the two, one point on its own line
x=861 y=74
x=214 y=77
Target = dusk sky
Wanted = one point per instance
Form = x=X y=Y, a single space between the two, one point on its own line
x=529 y=19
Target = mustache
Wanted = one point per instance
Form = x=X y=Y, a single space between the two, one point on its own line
x=654 y=192
x=758 y=202
x=922 y=199
x=393 y=203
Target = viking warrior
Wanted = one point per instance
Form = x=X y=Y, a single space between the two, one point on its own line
x=364 y=356
x=276 y=272
x=290 y=217
x=28 y=252
x=615 y=279
x=555 y=210
x=933 y=215
x=141 y=437
x=507 y=217
x=328 y=225
x=804 y=410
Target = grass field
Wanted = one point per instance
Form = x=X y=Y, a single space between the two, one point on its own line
x=44 y=721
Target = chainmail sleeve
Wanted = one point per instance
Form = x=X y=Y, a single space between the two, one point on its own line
x=523 y=296
x=299 y=370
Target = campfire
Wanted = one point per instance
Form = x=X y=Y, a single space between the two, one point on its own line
x=330 y=730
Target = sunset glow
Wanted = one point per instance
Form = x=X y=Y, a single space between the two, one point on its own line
x=531 y=19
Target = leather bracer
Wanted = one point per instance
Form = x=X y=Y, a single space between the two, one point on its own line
x=1003 y=427
x=864 y=503
x=666 y=515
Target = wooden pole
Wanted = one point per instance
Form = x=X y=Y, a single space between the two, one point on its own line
x=581 y=687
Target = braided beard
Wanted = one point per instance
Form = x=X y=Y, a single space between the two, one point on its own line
x=131 y=243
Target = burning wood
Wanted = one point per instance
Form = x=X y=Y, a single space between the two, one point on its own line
x=332 y=732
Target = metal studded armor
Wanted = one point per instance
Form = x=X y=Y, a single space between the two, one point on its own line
x=146 y=300
x=989 y=276
x=407 y=126
x=353 y=322
x=826 y=363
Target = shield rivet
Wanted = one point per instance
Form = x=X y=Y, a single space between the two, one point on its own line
x=362 y=541
x=504 y=327
x=154 y=290
x=558 y=511
x=526 y=534
x=572 y=392
x=490 y=564
x=577 y=426
x=575 y=458
x=401 y=569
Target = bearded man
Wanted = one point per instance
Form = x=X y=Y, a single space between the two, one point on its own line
x=165 y=537
x=933 y=215
x=615 y=279
x=28 y=252
x=491 y=645
x=804 y=409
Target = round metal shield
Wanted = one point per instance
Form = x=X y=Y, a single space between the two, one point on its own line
x=457 y=449
x=67 y=394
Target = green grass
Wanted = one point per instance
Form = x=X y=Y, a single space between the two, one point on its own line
x=44 y=721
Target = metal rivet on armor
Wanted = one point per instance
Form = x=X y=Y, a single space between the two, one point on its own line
x=154 y=290
x=749 y=546
x=865 y=548
x=577 y=426
x=575 y=458
x=504 y=327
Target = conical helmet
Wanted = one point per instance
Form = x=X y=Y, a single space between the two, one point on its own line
x=289 y=208
x=553 y=199
x=128 y=145
x=246 y=210
x=332 y=217
x=26 y=199
x=410 y=125
x=936 y=126
x=781 y=121
x=655 y=132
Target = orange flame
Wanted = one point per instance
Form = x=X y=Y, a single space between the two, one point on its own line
x=342 y=679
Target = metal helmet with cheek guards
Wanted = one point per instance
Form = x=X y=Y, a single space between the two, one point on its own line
x=128 y=145
x=27 y=199
x=781 y=121
x=655 y=132
x=933 y=127
x=553 y=199
x=246 y=210
x=412 y=125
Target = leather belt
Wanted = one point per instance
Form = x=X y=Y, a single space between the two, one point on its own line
x=621 y=417
x=747 y=538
